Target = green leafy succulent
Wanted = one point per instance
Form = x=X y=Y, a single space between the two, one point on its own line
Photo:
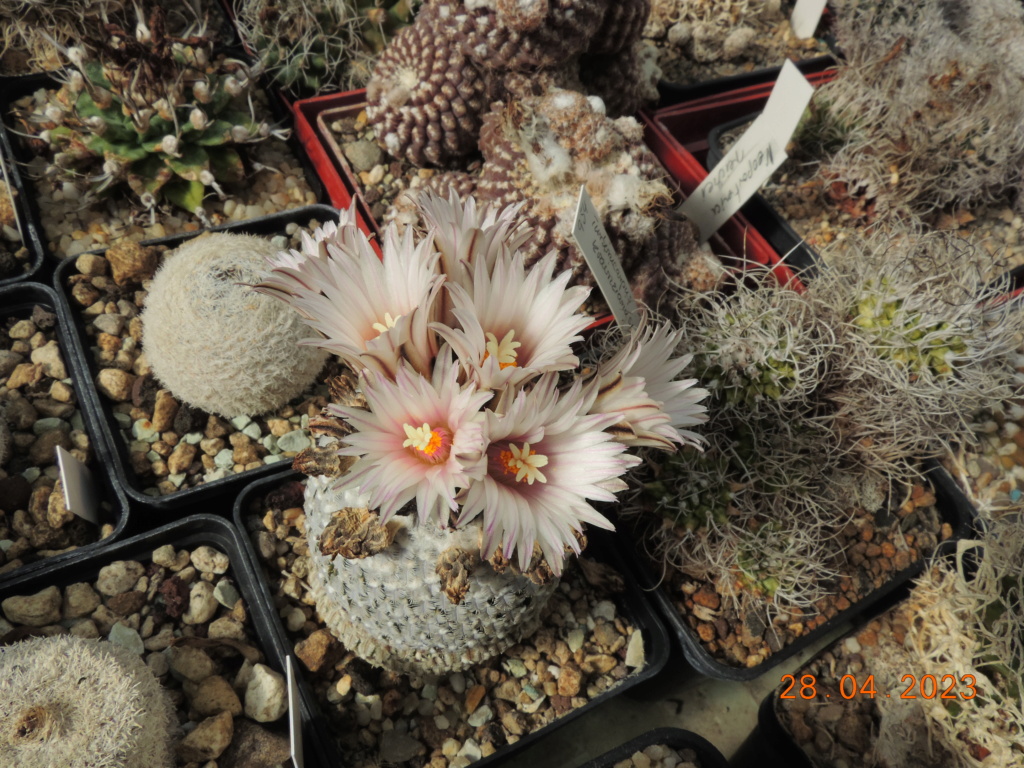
x=161 y=114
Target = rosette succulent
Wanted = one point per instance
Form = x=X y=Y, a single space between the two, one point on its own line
x=162 y=115
x=475 y=438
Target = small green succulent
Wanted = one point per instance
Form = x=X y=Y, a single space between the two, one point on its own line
x=162 y=115
x=903 y=335
x=691 y=489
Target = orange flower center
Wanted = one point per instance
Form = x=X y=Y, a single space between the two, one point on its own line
x=523 y=463
x=429 y=444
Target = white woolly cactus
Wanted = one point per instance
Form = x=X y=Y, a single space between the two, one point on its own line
x=214 y=342
x=81 y=703
x=820 y=398
x=926 y=104
x=360 y=600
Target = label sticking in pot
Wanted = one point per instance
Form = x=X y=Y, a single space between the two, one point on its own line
x=604 y=262
x=294 y=715
x=753 y=158
x=79 y=490
x=805 y=17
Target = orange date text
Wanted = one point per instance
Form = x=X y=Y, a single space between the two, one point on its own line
x=928 y=687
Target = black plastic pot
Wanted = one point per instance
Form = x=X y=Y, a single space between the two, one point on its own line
x=769 y=744
x=676 y=738
x=632 y=603
x=14 y=88
x=953 y=508
x=189 y=532
x=671 y=94
x=765 y=217
x=25 y=221
x=18 y=301
x=81 y=358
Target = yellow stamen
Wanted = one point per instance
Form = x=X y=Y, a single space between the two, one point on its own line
x=423 y=439
x=524 y=463
x=504 y=351
x=389 y=322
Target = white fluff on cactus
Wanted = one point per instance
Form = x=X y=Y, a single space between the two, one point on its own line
x=478 y=446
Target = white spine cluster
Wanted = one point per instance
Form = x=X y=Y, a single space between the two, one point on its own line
x=81 y=703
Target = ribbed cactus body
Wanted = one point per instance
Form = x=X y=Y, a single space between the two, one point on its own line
x=391 y=608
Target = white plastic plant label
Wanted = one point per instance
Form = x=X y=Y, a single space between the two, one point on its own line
x=805 y=17
x=597 y=248
x=79 y=489
x=294 y=715
x=753 y=158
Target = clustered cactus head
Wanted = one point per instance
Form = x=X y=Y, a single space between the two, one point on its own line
x=467 y=412
x=539 y=150
x=81 y=703
x=927 y=103
x=163 y=115
x=881 y=362
x=318 y=46
x=435 y=82
x=214 y=342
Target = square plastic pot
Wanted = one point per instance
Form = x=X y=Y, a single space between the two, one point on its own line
x=188 y=533
x=953 y=508
x=17 y=301
x=678 y=93
x=676 y=738
x=195 y=498
x=632 y=603
x=14 y=88
x=697 y=126
x=24 y=220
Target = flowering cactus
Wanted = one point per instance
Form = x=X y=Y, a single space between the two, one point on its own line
x=162 y=115
x=474 y=416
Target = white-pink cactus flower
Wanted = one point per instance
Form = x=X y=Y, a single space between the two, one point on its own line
x=371 y=312
x=419 y=440
x=640 y=383
x=466 y=234
x=516 y=324
x=547 y=459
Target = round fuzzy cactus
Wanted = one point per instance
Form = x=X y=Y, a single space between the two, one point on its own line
x=413 y=598
x=81 y=703
x=214 y=342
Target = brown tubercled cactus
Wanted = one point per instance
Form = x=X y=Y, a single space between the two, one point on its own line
x=81 y=703
x=530 y=34
x=435 y=82
x=426 y=98
x=539 y=151
x=216 y=344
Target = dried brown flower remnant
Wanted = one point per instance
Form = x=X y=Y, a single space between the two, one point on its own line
x=355 y=533
x=454 y=568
